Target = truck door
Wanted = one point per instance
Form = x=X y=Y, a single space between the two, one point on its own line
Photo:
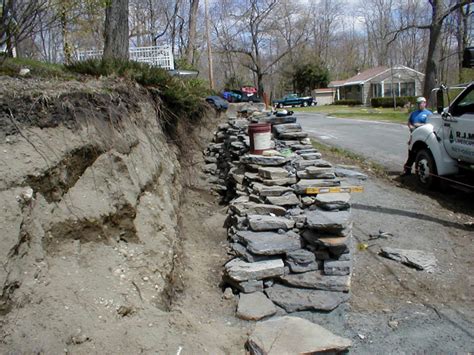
x=458 y=133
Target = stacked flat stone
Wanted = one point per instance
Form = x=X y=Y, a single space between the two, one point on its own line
x=293 y=247
x=230 y=142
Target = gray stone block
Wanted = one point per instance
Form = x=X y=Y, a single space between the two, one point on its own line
x=291 y=335
x=240 y=270
x=255 y=306
x=336 y=267
x=296 y=299
x=270 y=243
x=318 y=280
x=266 y=223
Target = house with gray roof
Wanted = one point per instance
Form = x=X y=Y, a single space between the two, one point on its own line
x=396 y=81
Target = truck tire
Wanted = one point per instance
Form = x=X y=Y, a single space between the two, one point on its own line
x=426 y=171
x=280 y=105
x=304 y=104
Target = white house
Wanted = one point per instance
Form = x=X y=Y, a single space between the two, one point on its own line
x=379 y=82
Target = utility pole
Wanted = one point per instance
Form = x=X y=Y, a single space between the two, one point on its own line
x=209 y=49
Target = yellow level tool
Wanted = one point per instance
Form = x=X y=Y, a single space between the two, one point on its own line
x=325 y=190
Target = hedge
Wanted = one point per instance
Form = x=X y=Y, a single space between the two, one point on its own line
x=348 y=102
x=388 y=101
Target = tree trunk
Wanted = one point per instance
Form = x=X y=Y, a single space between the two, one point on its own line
x=462 y=36
x=434 y=50
x=260 y=89
x=116 y=30
x=192 y=31
x=67 y=48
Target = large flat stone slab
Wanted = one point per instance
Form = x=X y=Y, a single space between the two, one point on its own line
x=266 y=223
x=300 y=146
x=264 y=190
x=307 y=150
x=350 y=173
x=285 y=128
x=419 y=259
x=292 y=135
x=297 y=299
x=270 y=243
x=240 y=270
x=311 y=235
x=311 y=156
x=313 y=172
x=333 y=201
x=328 y=220
x=318 y=280
x=269 y=172
x=291 y=335
x=252 y=208
x=290 y=180
x=255 y=306
x=303 y=164
x=286 y=200
x=302 y=185
x=263 y=160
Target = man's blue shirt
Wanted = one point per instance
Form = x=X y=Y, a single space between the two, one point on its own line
x=419 y=116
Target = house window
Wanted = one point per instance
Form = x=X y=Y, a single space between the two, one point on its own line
x=407 y=89
x=388 y=89
x=376 y=90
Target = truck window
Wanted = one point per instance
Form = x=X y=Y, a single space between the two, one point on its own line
x=465 y=104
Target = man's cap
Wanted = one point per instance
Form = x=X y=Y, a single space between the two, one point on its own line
x=420 y=100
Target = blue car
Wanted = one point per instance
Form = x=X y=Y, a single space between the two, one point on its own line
x=218 y=103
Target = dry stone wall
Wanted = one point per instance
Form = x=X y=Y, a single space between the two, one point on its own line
x=291 y=247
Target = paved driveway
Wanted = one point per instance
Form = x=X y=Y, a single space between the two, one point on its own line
x=384 y=143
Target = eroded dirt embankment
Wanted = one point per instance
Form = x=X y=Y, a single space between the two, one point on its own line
x=91 y=187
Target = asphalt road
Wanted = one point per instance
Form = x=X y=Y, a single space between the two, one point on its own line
x=381 y=142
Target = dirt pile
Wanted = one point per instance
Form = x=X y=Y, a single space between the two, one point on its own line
x=91 y=188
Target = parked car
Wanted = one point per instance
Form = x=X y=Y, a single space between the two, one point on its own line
x=293 y=100
x=241 y=96
x=218 y=103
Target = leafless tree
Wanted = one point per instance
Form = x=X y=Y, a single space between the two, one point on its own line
x=20 y=19
x=439 y=11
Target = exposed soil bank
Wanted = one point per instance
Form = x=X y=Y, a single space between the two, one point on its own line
x=94 y=260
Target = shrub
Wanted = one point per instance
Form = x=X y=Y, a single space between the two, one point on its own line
x=388 y=101
x=348 y=102
x=180 y=97
x=12 y=67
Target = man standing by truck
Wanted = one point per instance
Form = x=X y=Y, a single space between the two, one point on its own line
x=417 y=119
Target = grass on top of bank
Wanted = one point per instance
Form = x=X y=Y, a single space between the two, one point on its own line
x=400 y=115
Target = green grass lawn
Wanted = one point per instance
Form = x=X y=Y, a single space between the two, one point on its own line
x=367 y=113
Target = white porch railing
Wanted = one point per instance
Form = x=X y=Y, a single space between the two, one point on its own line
x=158 y=56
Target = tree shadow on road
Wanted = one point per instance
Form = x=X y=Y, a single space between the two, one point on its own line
x=410 y=214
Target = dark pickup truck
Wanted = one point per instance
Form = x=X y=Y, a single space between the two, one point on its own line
x=294 y=100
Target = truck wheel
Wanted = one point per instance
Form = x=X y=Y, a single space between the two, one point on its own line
x=304 y=104
x=426 y=170
x=280 y=105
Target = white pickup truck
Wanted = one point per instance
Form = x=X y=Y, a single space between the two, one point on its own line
x=445 y=145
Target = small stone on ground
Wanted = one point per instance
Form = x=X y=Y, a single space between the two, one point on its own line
x=255 y=306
